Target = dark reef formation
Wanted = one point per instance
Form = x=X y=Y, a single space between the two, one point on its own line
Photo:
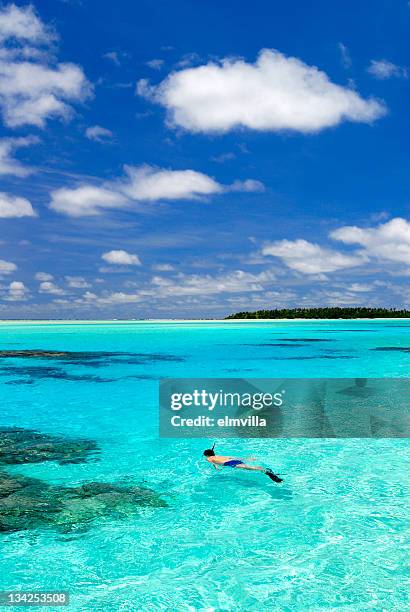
x=30 y=503
x=27 y=373
x=306 y=340
x=91 y=358
x=18 y=445
x=30 y=374
x=400 y=349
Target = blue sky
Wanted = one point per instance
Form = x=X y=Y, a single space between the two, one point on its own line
x=192 y=159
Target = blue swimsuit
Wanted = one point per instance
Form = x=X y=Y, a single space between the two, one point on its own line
x=233 y=462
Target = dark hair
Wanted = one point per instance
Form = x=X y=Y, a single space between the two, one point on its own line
x=209 y=452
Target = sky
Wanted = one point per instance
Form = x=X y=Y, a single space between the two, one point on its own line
x=193 y=159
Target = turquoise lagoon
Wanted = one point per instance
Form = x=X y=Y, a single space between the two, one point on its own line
x=331 y=537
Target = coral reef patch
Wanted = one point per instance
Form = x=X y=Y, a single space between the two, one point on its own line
x=19 y=446
x=91 y=358
x=24 y=374
x=30 y=503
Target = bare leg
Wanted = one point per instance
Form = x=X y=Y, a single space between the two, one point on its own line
x=258 y=468
x=253 y=468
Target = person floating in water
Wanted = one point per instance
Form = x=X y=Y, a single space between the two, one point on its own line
x=222 y=461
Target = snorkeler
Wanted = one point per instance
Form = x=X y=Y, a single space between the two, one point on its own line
x=222 y=461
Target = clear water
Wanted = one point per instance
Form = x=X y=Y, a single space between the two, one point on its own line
x=331 y=537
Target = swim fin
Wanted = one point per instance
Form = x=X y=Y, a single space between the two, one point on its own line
x=273 y=476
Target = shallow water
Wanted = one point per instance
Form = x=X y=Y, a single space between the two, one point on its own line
x=331 y=536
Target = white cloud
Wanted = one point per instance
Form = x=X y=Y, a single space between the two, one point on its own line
x=13 y=206
x=195 y=284
x=23 y=24
x=276 y=93
x=85 y=200
x=49 y=287
x=77 y=282
x=32 y=93
x=359 y=288
x=155 y=64
x=43 y=276
x=98 y=133
x=383 y=69
x=163 y=267
x=246 y=186
x=121 y=258
x=117 y=298
x=309 y=258
x=142 y=183
x=338 y=298
x=184 y=286
x=189 y=59
x=17 y=292
x=114 y=298
x=387 y=242
x=7 y=267
x=148 y=183
x=33 y=87
x=113 y=56
x=10 y=165
x=345 y=56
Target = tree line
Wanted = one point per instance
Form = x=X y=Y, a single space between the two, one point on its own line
x=335 y=312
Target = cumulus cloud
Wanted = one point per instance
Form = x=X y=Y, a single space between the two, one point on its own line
x=237 y=281
x=346 y=297
x=98 y=133
x=185 y=286
x=77 y=282
x=387 y=242
x=148 y=183
x=8 y=163
x=121 y=257
x=276 y=93
x=13 y=206
x=50 y=287
x=107 y=298
x=43 y=276
x=310 y=258
x=115 y=298
x=383 y=69
x=7 y=267
x=17 y=292
x=163 y=267
x=360 y=288
x=86 y=200
x=142 y=184
x=33 y=87
x=22 y=23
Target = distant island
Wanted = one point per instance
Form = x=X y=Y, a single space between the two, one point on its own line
x=323 y=313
